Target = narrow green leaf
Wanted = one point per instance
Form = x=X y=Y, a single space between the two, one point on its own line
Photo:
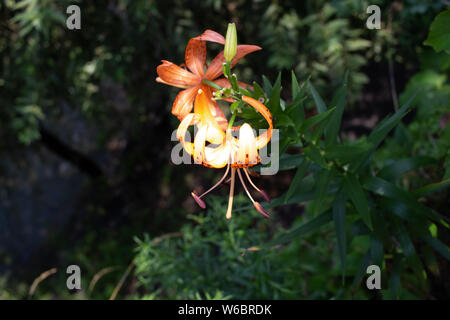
x=320 y=104
x=259 y=92
x=345 y=153
x=402 y=166
x=314 y=120
x=296 y=111
x=267 y=86
x=356 y=193
x=400 y=209
x=306 y=228
x=437 y=245
x=283 y=120
x=290 y=161
x=339 y=225
x=277 y=83
x=301 y=171
x=376 y=250
x=313 y=153
x=359 y=228
x=322 y=182
x=274 y=102
x=409 y=250
x=394 y=279
x=361 y=271
x=389 y=190
x=432 y=188
x=381 y=130
x=295 y=86
x=335 y=120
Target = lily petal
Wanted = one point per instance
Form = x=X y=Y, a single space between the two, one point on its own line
x=217 y=157
x=208 y=109
x=215 y=69
x=215 y=110
x=170 y=73
x=195 y=56
x=212 y=36
x=199 y=144
x=182 y=129
x=247 y=153
x=263 y=139
x=184 y=102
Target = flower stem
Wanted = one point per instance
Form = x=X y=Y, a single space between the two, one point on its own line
x=211 y=84
x=233 y=117
x=234 y=85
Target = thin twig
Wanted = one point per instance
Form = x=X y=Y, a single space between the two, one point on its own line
x=122 y=280
x=44 y=275
x=100 y=274
x=166 y=236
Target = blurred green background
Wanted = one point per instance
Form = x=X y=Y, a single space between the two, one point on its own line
x=85 y=142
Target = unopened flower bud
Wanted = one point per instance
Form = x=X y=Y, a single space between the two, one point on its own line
x=230 y=43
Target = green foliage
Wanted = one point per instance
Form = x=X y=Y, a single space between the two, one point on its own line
x=439 y=36
x=215 y=258
x=380 y=199
x=344 y=185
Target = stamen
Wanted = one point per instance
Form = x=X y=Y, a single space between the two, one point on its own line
x=245 y=187
x=258 y=207
x=199 y=201
x=261 y=210
x=252 y=173
x=262 y=192
x=218 y=183
x=230 y=198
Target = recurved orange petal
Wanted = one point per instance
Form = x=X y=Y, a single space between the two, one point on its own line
x=182 y=129
x=215 y=69
x=170 y=73
x=195 y=56
x=212 y=36
x=184 y=102
x=264 y=138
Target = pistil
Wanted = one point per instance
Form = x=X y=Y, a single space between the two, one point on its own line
x=230 y=198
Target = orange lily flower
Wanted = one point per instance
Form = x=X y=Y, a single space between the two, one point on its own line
x=191 y=80
x=237 y=153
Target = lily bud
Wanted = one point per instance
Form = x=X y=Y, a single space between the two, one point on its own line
x=230 y=43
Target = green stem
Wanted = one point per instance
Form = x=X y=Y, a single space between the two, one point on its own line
x=234 y=85
x=211 y=84
x=233 y=117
